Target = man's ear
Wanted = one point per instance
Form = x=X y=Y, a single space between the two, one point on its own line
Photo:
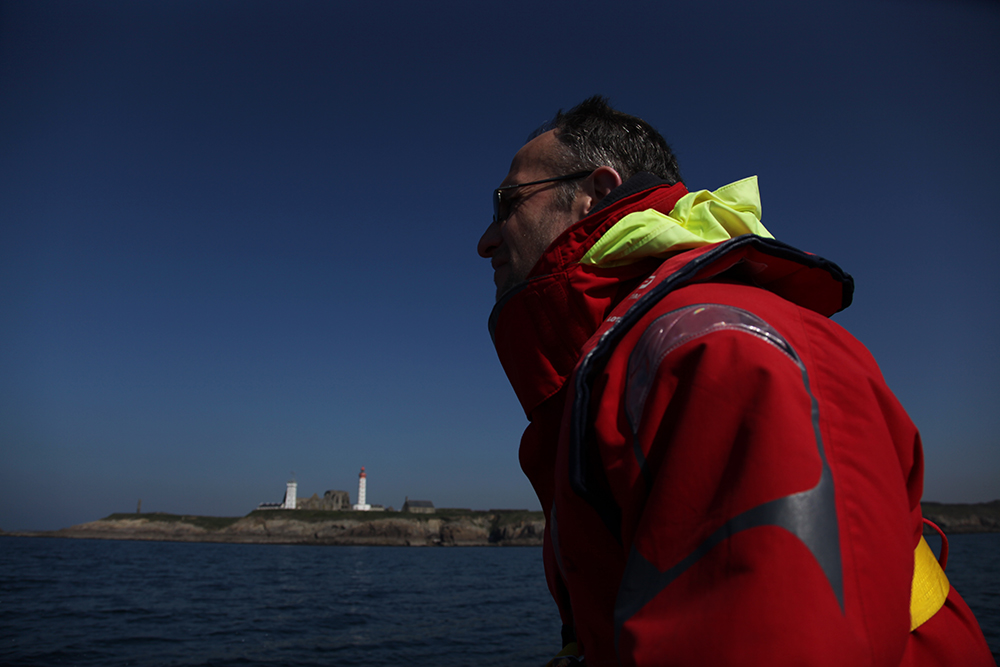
x=599 y=184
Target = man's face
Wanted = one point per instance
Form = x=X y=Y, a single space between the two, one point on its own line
x=515 y=245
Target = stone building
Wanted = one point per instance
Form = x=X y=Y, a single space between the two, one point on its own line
x=331 y=501
x=418 y=506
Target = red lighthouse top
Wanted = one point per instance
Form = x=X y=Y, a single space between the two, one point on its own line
x=362 y=474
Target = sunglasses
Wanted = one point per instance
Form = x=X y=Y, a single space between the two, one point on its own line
x=500 y=211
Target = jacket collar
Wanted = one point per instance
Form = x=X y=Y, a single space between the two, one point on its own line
x=540 y=326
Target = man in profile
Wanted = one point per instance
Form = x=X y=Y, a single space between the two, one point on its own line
x=725 y=476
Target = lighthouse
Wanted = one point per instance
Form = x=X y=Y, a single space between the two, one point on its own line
x=290 y=489
x=362 y=505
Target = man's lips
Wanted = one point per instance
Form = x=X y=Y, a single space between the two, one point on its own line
x=498 y=268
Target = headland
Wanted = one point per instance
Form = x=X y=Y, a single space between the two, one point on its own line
x=963 y=517
x=446 y=527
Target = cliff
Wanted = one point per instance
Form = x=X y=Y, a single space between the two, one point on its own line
x=444 y=528
x=964 y=518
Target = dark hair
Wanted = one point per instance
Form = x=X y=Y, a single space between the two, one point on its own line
x=593 y=134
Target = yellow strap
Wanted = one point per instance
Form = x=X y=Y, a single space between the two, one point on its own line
x=930 y=586
x=568 y=650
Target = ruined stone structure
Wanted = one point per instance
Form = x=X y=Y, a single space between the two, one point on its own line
x=331 y=501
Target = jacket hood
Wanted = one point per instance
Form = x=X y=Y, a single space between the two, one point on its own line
x=697 y=219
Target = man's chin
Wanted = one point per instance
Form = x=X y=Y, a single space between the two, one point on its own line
x=506 y=286
x=507 y=277
x=502 y=279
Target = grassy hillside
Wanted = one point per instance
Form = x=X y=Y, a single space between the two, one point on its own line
x=495 y=518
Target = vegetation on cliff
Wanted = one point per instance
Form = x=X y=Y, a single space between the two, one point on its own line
x=448 y=527
x=964 y=517
x=204 y=522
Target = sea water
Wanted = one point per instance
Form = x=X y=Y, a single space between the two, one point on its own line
x=92 y=602
x=973 y=568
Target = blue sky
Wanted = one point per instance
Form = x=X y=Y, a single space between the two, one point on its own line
x=237 y=239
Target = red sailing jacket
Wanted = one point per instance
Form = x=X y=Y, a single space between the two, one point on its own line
x=726 y=478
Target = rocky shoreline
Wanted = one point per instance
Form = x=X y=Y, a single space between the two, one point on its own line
x=446 y=527
x=964 y=517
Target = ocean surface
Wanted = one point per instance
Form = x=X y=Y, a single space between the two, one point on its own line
x=104 y=603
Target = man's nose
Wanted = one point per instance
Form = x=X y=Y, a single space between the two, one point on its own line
x=489 y=241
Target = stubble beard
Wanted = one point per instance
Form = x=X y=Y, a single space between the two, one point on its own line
x=544 y=229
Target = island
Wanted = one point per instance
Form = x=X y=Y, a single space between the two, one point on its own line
x=443 y=527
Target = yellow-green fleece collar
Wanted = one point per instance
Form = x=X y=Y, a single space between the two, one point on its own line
x=698 y=219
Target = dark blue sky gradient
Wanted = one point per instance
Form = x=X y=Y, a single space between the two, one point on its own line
x=237 y=239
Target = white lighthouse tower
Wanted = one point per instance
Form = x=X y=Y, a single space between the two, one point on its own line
x=290 y=490
x=362 y=479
